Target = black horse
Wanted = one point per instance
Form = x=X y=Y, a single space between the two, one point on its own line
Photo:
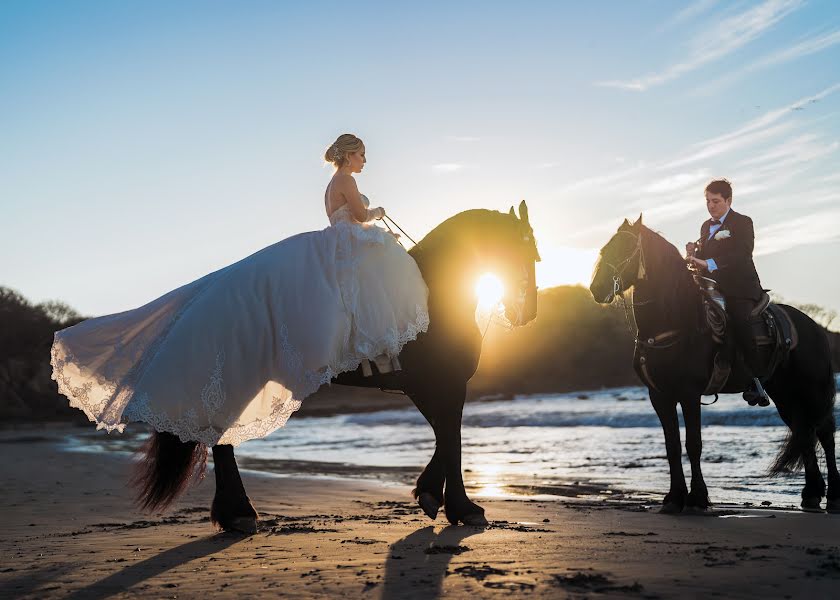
x=666 y=302
x=435 y=370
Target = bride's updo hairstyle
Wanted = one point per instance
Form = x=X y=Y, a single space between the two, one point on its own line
x=347 y=143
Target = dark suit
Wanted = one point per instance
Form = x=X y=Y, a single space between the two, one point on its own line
x=736 y=275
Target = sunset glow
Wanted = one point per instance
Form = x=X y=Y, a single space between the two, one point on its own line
x=489 y=289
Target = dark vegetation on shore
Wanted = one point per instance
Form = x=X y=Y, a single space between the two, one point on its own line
x=574 y=344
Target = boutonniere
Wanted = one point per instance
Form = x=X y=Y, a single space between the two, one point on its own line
x=722 y=234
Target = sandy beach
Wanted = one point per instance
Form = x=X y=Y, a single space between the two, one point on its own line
x=70 y=531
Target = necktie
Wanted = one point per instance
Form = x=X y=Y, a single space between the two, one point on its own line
x=714 y=222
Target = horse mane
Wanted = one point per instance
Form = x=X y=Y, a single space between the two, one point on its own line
x=463 y=228
x=670 y=280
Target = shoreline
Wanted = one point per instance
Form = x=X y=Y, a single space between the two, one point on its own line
x=72 y=532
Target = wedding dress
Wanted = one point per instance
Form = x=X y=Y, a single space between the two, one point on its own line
x=230 y=356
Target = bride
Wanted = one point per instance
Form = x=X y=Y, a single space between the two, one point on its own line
x=230 y=356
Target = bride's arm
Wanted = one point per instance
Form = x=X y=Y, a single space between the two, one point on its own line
x=350 y=192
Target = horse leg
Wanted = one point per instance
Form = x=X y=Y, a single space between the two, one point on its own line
x=799 y=447
x=447 y=412
x=666 y=410
x=814 y=489
x=429 y=488
x=698 y=498
x=232 y=509
x=826 y=436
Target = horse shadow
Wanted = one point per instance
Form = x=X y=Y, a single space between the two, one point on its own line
x=155 y=565
x=417 y=564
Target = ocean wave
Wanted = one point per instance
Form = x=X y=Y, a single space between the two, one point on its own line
x=602 y=409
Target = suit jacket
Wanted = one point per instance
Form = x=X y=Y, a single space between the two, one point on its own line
x=736 y=274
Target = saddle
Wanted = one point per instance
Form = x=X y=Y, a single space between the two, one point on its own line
x=774 y=335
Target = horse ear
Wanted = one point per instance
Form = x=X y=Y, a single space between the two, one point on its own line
x=639 y=222
x=523 y=212
x=624 y=225
x=511 y=213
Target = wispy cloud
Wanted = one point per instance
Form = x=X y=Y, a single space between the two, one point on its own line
x=807 y=229
x=804 y=48
x=692 y=11
x=771 y=158
x=677 y=182
x=716 y=41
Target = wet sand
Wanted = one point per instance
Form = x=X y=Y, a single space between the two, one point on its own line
x=70 y=531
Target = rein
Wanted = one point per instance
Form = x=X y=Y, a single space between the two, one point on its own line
x=618 y=271
x=394 y=223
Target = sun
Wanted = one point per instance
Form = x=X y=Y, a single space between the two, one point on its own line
x=489 y=290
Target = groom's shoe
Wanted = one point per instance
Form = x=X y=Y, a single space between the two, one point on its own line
x=756 y=395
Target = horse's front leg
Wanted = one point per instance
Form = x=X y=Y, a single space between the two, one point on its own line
x=698 y=499
x=445 y=407
x=666 y=410
x=232 y=509
x=429 y=489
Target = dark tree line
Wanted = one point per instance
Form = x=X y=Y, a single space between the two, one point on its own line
x=574 y=344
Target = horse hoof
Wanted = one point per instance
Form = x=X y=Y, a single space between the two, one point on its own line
x=670 y=508
x=429 y=504
x=695 y=510
x=811 y=505
x=475 y=520
x=833 y=506
x=246 y=525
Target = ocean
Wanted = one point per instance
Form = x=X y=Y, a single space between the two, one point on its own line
x=605 y=443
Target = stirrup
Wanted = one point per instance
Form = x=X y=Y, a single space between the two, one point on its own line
x=758 y=396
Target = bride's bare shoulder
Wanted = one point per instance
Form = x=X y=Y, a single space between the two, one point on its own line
x=342 y=181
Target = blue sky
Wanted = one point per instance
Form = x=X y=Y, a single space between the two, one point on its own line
x=144 y=144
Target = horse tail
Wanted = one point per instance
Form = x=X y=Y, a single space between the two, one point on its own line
x=166 y=467
x=800 y=439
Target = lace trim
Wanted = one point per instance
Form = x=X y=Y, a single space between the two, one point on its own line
x=115 y=389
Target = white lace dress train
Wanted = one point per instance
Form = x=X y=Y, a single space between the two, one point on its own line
x=229 y=357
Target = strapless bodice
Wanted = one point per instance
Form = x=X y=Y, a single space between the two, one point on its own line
x=343 y=214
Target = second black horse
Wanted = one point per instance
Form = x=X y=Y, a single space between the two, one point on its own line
x=679 y=350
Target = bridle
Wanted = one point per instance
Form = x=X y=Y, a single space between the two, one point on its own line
x=618 y=270
x=519 y=300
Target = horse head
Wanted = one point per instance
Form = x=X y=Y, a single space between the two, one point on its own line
x=621 y=263
x=454 y=254
x=517 y=269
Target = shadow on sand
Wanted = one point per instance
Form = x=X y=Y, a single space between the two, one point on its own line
x=418 y=563
x=155 y=565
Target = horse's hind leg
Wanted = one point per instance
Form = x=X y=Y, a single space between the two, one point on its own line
x=814 y=489
x=826 y=436
x=232 y=509
x=698 y=498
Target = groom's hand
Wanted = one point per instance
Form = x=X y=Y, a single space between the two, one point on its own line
x=698 y=262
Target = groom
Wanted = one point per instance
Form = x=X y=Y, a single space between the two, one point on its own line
x=724 y=252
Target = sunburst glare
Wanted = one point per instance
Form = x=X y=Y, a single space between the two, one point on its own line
x=489 y=289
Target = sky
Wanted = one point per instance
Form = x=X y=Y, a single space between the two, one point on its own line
x=145 y=144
